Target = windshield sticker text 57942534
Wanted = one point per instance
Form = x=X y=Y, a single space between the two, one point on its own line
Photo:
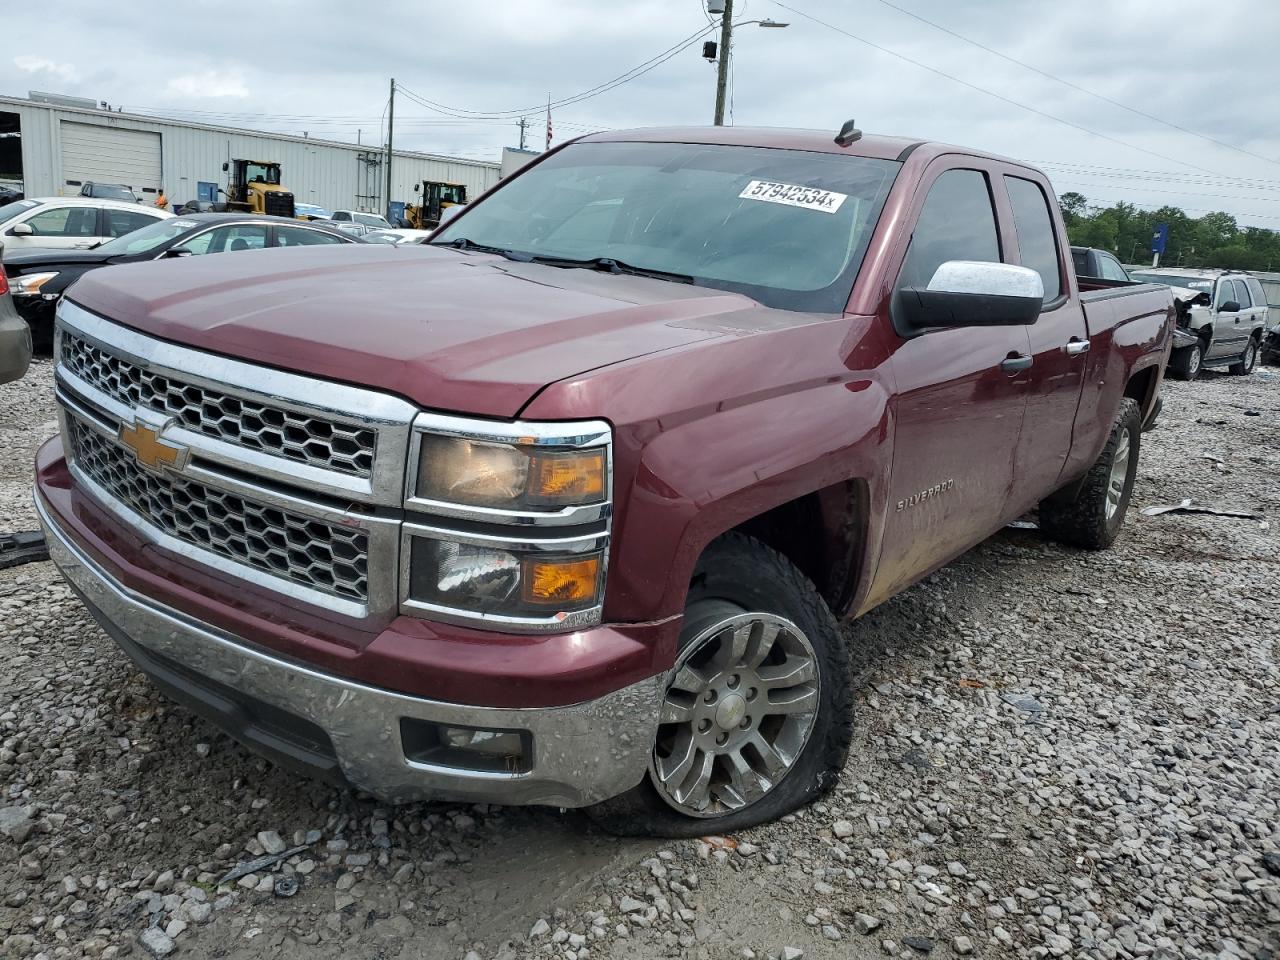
x=808 y=198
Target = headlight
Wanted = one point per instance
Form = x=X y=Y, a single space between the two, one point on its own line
x=30 y=284
x=508 y=474
x=548 y=486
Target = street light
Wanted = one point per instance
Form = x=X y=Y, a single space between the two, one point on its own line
x=726 y=42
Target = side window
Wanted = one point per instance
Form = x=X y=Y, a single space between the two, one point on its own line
x=1080 y=262
x=1259 y=296
x=229 y=239
x=957 y=222
x=1226 y=290
x=302 y=237
x=1111 y=269
x=120 y=222
x=1242 y=294
x=1037 y=240
x=65 y=222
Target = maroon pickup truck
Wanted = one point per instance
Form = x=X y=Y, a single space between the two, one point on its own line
x=567 y=507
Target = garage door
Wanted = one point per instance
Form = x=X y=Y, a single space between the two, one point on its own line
x=92 y=151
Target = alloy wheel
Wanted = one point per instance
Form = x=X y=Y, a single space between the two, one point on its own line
x=736 y=715
x=1119 y=473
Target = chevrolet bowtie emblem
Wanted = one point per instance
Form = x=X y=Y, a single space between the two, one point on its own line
x=149 y=449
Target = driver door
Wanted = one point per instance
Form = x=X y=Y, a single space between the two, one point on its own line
x=961 y=395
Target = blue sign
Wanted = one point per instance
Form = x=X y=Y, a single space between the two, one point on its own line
x=1160 y=238
x=396 y=210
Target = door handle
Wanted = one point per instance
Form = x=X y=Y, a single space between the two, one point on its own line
x=1015 y=363
x=1076 y=346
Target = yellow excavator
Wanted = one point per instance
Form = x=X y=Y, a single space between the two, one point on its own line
x=253 y=186
x=437 y=197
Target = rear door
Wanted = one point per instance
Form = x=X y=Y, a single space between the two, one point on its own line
x=116 y=222
x=1253 y=310
x=1059 y=343
x=58 y=226
x=957 y=412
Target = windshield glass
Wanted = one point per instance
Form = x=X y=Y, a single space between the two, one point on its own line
x=382 y=238
x=152 y=237
x=452 y=193
x=11 y=210
x=261 y=173
x=370 y=219
x=786 y=227
x=102 y=191
x=1203 y=284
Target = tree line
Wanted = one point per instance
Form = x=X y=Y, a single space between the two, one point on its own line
x=1213 y=240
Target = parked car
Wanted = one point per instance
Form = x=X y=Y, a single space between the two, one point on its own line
x=353 y=228
x=70 y=222
x=15 y=335
x=40 y=277
x=9 y=194
x=359 y=216
x=1228 y=318
x=1271 y=345
x=1092 y=262
x=578 y=526
x=310 y=211
x=109 y=191
x=397 y=236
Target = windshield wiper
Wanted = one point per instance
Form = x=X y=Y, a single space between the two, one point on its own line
x=610 y=265
x=462 y=243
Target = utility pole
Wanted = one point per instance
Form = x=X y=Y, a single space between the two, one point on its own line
x=524 y=122
x=722 y=74
x=391 y=119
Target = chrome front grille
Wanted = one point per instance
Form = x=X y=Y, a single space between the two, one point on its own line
x=287 y=481
x=277 y=431
x=318 y=555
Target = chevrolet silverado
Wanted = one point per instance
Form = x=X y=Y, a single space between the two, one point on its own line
x=568 y=506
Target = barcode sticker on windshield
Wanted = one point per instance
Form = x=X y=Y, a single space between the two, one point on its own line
x=808 y=198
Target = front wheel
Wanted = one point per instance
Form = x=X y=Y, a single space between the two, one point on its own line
x=1186 y=363
x=756 y=715
x=1093 y=518
x=1249 y=362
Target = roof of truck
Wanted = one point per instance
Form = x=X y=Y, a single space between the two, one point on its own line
x=1207 y=273
x=821 y=141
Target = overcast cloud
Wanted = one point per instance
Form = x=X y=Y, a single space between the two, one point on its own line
x=322 y=66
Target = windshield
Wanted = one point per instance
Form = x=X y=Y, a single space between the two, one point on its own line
x=370 y=219
x=786 y=227
x=11 y=210
x=382 y=238
x=452 y=193
x=1202 y=284
x=151 y=237
x=102 y=191
x=261 y=173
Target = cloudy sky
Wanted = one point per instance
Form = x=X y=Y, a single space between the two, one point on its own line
x=323 y=66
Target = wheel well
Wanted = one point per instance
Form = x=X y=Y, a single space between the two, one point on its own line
x=822 y=533
x=1141 y=387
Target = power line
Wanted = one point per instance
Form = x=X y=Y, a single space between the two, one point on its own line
x=1075 y=86
x=595 y=91
x=990 y=93
x=1160 y=206
x=1128 y=173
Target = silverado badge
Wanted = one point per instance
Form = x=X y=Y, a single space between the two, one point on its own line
x=149 y=450
x=946 y=486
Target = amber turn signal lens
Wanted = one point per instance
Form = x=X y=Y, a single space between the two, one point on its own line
x=576 y=477
x=561 y=582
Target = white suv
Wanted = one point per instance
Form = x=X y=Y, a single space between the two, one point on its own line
x=70 y=222
x=377 y=221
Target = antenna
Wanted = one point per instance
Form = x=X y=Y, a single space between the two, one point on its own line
x=848 y=134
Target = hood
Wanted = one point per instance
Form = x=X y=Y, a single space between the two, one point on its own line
x=447 y=330
x=28 y=261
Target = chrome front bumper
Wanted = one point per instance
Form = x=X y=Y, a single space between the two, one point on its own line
x=581 y=754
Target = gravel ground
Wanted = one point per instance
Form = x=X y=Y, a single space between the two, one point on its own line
x=1059 y=754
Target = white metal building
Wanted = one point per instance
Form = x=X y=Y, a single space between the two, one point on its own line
x=58 y=147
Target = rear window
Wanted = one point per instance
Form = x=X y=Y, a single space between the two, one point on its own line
x=1080 y=262
x=1037 y=239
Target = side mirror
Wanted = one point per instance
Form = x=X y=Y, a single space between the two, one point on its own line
x=417 y=188
x=226 y=167
x=1229 y=307
x=177 y=252
x=967 y=293
x=21 y=230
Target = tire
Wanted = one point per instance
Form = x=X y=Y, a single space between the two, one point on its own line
x=1187 y=363
x=1249 y=362
x=743 y=590
x=1093 y=519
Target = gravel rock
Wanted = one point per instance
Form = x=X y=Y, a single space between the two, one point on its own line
x=864 y=923
x=156 y=942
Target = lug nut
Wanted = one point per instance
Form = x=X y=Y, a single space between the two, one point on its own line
x=722 y=739
x=733 y=682
x=704 y=725
x=710 y=697
x=746 y=722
